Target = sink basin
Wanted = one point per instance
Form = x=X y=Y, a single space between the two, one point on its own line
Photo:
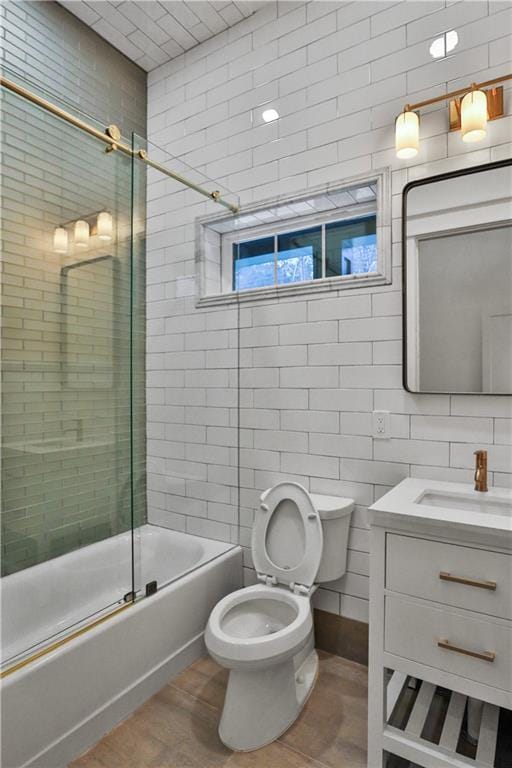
x=476 y=502
x=447 y=504
x=57 y=445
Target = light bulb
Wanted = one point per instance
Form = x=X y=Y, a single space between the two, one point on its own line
x=473 y=116
x=407 y=135
x=60 y=240
x=104 y=225
x=81 y=233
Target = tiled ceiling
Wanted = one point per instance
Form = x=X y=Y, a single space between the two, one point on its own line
x=152 y=33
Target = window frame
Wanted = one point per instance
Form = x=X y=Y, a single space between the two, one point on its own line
x=381 y=207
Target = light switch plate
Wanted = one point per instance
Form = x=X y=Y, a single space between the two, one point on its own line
x=381 y=424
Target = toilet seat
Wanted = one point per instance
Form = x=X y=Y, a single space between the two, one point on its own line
x=302 y=546
x=230 y=648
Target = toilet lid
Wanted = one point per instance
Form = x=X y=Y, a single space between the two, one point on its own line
x=287 y=537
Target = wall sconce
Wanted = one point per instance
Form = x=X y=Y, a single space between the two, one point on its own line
x=81 y=233
x=407 y=134
x=104 y=226
x=473 y=116
x=469 y=110
x=100 y=223
x=60 y=240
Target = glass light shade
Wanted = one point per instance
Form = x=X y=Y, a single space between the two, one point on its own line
x=60 y=240
x=407 y=135
x=81 y=233
x=104 y=225
x=473 y=116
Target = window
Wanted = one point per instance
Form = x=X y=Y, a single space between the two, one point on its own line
x=291 y=257
x=309 y=243
x=346 y=247
x=351 y=247
x=253 y=264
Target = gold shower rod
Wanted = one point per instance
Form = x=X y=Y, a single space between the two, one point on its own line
x=112 y=137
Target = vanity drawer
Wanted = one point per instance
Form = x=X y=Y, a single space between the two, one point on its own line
x=465 y=577
x=414 y=631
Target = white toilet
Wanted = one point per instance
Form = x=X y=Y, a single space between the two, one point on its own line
x=264 y=634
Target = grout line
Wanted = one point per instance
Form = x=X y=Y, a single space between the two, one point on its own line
x=302 y=754
x=191 y=696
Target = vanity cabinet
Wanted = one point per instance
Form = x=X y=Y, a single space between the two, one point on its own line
x=451 y=574
x=440 y=626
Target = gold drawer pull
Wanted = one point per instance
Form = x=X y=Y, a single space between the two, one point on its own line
x=468 y=582
x=482 y=655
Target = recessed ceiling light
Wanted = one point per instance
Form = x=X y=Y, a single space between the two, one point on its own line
x=437 y=49
x=452 y=39
x=269 y=115
x=441 y=46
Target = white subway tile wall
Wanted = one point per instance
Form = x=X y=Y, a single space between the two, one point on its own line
x=311 y=371
x=53 y=49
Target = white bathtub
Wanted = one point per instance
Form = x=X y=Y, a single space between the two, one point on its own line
x=43 y=603
x=57 y=706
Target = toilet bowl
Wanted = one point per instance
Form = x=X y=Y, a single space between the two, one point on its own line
x=264 y=633
x=258 y=626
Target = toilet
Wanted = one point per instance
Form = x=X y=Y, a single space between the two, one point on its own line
x=264 y=633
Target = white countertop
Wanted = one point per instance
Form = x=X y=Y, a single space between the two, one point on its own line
x=404 y=500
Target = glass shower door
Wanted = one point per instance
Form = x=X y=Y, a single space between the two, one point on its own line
x=68 y=444
x=192 y=380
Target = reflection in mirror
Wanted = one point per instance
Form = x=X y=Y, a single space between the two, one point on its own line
x=88 y=323
x=458 y=282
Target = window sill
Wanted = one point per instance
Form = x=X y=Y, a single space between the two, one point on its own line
x=311 y=287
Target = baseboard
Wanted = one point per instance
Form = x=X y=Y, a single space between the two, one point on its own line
x=90 y=731
x=343 y=637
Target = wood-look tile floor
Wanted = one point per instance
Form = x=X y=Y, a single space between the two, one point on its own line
x=177 y=728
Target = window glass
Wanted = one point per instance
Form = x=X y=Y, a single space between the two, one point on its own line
x=253 y=264
x=351 y=247
x=299 y=255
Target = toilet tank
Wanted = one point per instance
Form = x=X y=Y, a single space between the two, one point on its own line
x=335 y=513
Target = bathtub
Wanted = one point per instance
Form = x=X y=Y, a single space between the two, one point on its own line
x=60 y=704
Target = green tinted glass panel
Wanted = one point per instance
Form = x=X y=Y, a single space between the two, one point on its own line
x=72 y=334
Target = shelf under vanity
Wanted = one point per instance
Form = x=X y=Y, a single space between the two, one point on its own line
x=440 y=627
x=433 y=721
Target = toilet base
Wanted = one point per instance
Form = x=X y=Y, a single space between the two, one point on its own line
x=261 y=705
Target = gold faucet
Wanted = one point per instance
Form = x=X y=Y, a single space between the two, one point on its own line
x=481 y=470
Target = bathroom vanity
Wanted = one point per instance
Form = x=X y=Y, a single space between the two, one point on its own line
x=440 y=623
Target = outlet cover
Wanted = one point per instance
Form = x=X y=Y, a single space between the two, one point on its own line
x=381 y=424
